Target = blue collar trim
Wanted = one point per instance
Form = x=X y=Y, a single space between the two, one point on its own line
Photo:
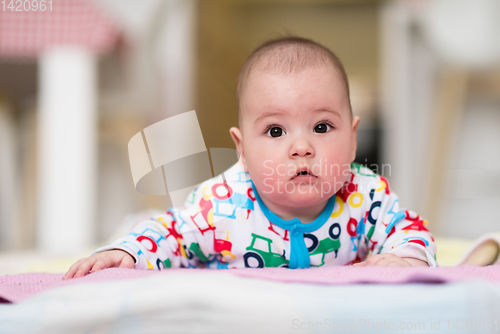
x=299 y=255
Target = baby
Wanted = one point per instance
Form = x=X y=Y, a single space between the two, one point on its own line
x=295 y=198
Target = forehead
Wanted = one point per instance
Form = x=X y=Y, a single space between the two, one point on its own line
x=313 y=88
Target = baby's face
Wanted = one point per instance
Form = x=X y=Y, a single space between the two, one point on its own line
x=299 y=122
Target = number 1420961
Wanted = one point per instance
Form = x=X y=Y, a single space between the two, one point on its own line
x=26 y=5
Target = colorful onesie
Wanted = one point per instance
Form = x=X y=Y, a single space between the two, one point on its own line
x=224 y=224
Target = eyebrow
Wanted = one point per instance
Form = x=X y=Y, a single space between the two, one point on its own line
x=274 y=113
x=335 y=112
x=267 y=114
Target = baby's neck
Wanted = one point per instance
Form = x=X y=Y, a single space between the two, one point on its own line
x=306 y=215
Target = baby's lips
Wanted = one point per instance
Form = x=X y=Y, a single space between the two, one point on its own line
x=312 y=175
x=303 y=169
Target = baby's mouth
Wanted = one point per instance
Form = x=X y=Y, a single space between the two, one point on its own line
x=303 y=172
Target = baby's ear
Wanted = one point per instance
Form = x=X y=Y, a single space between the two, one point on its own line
x=354 y=134
x=238 y=142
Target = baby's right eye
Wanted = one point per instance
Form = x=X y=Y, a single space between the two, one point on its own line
x=275 y=131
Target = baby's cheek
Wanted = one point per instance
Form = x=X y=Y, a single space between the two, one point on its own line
x=267 y=185
x=337 y=174
x=263 y=175
x=328 y=168
x=266 y=168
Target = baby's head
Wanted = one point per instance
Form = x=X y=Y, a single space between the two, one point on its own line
x=294 y=114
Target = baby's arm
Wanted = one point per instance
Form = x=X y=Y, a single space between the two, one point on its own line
x=108 y=259
x=396 y=237
x=157 y=243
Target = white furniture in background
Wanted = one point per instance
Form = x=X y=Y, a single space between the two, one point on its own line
x=67 y=149
x=443 y=166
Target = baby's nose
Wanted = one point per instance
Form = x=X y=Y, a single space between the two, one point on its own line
x=302 y=153
x=301 y=148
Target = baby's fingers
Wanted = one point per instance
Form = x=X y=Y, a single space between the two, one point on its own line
x=385 y=262
x=127 y=262
x=73 y=269
x=101 y=264
x=113 y=258
x=85 y=267
x=360 y=264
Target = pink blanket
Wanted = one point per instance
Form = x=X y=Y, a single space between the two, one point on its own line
x=15 y=288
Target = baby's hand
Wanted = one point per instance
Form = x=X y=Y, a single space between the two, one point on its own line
x=391 y=260
x=98 y=261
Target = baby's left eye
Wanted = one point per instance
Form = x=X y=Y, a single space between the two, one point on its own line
x=322 y=127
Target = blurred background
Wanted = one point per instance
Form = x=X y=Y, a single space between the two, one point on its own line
x=81 y=78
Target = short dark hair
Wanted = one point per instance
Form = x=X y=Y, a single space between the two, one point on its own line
x=287 y=55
